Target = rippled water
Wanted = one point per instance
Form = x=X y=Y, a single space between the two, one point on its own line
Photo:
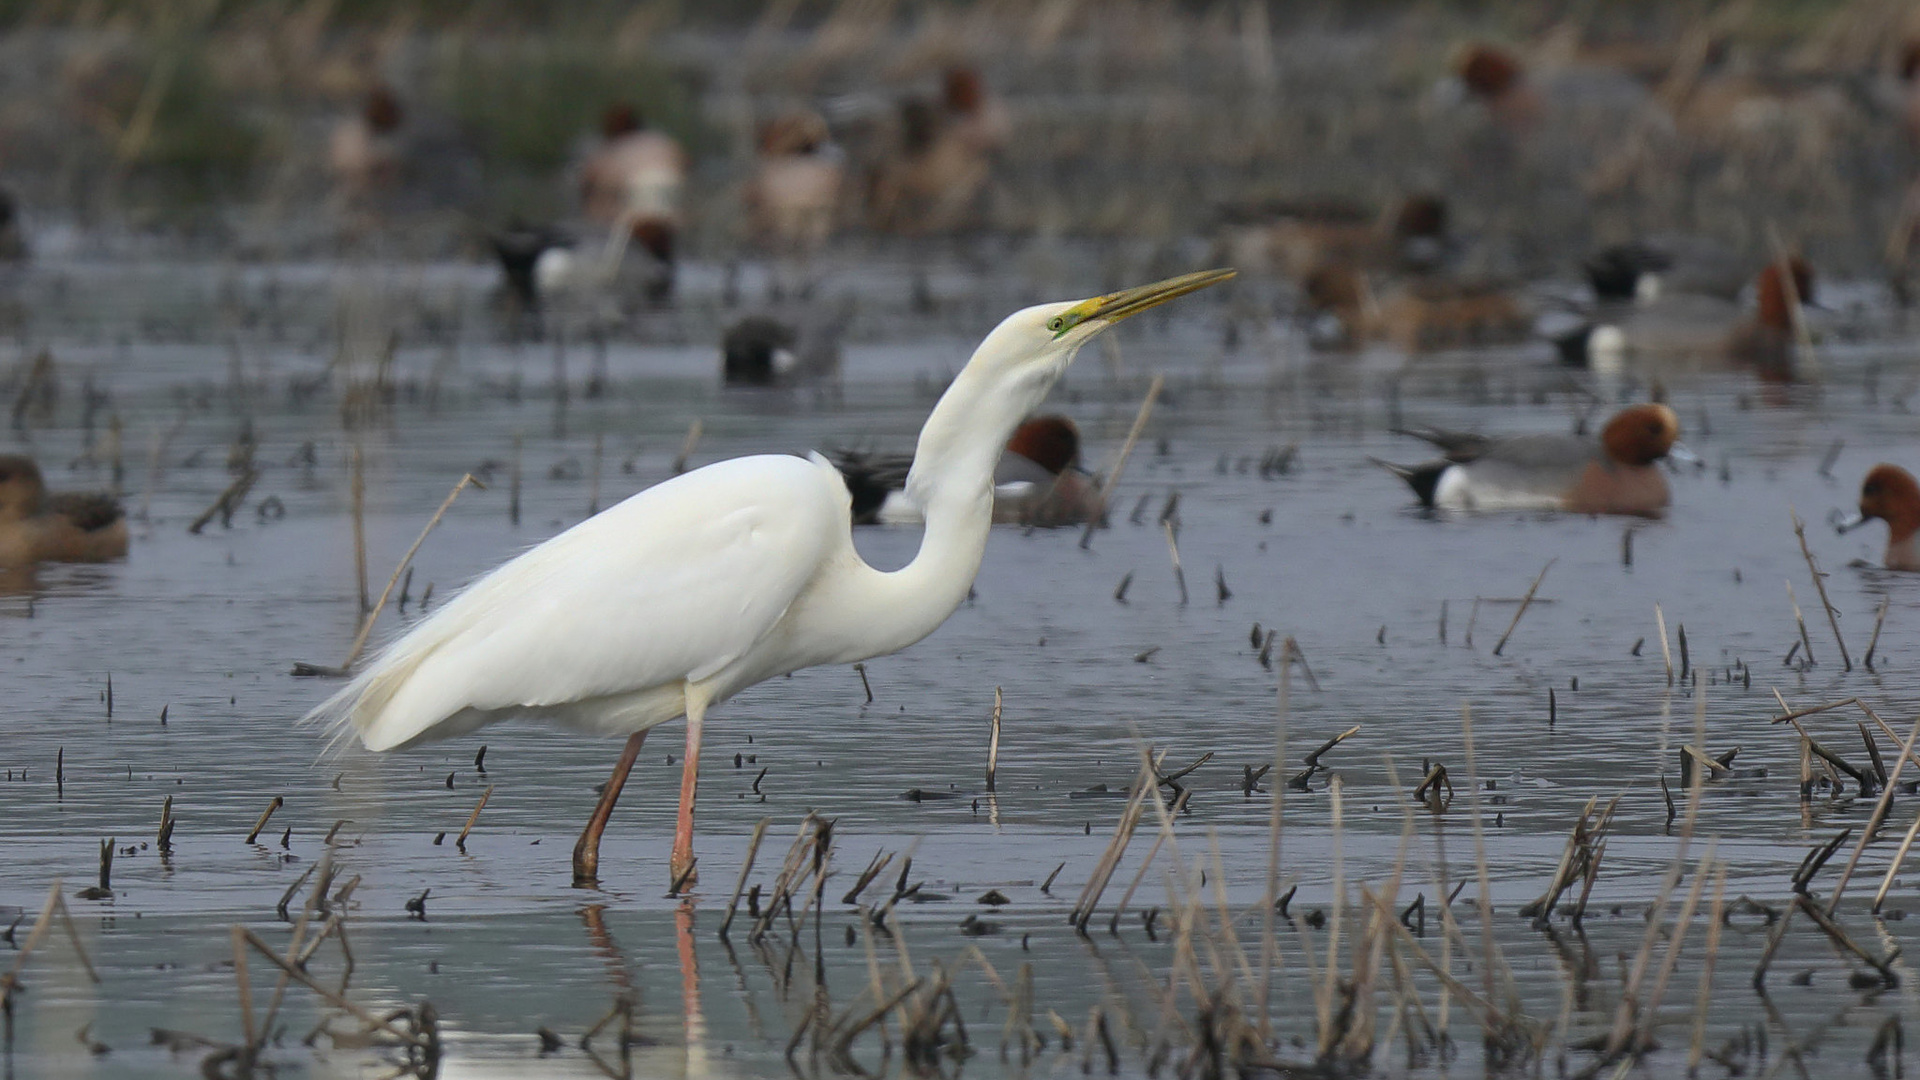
x=204 y=630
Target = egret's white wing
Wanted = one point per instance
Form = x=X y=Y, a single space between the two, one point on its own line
x=670 y=585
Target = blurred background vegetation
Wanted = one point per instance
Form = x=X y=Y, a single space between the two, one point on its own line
x=1133 y=118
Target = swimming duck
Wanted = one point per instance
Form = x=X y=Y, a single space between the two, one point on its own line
x=1890 y=493
x=633 y=181
x=1419 y=314
x=364 y=152
x=1299 y=238
x=1038 y=481
x=794 y=193
x=1498 y=79
x=1614 y=474
x=942 y=159
x=762 y=350
x=38 y=526
x=1700 y=330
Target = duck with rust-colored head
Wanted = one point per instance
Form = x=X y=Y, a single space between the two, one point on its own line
x=1038 y=481
x=1678 y=332
x=1891 y=494
x=38 y=526
x=1617 y=473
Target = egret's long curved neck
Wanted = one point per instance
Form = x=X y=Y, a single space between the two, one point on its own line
x=952 y=481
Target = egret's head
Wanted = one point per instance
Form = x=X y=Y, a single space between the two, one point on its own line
x=1033 y=346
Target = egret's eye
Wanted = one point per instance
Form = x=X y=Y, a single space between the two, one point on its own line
x=1057 y=324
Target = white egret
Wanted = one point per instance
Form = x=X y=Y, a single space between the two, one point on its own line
x=710 y=582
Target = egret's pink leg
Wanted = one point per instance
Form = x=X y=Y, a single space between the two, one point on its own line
x=586 y=853
x=681 y=865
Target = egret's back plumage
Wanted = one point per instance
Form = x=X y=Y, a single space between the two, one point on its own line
x=704 y=565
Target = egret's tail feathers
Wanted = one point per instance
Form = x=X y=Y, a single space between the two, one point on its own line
x=355 y=711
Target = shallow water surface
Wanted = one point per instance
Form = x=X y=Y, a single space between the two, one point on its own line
x=1396 y=613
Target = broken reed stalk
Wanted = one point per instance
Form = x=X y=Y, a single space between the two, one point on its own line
x=56 y=904
x=746 y=868
x=163 y=839
x=1880 y=810
x=227 y=501
x=1676 y=939
x=1173 y=551
x=1874 y=642
x=1525 y=602
x=1866 y=783
x=473 y=817
x=1140 y=873
x=1493 y=961
x=244 y=986
x=993 y=741
x=366 y=624
x=513 y=482
x=687 y=447
x=1796 y=714
x=1625 y=1015
x=1269 y=941
x=357 y=466
x=593 y=481
x=1806 y=644
x=329 y=996
x=1120 y=460
x=1123 y=829
x=277 y=803
x=1666 y=653
x=1820 y=584
x=1704 y=999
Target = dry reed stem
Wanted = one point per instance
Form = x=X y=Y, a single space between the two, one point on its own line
x=357 y=467
x=245 y=988
x=227 y=501
x=316 y=897
x=1796 y=714
x=366 y=624
x=1666 y=653
x=1839 y=937
x=1623 y=1021
x=1525 y=602
x=1806 y=644
x=1120 y=459
x=277 y=803
x=1495 y=963
x=1819 y=579
x=41 y=925
x=1834 y=759
x=686 y=448
x=1165 y=832
x=461 y=843
x=1676 y=939
x=1270 y=956
x=1878 y=622
x=993 y=740
x=1490 y=1017
x=1116 y=847
x=1880 y=810
x=1703 y=1000
x=1173 y=552
x=513 y=481
x=1893 y=868
x=329 y=996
